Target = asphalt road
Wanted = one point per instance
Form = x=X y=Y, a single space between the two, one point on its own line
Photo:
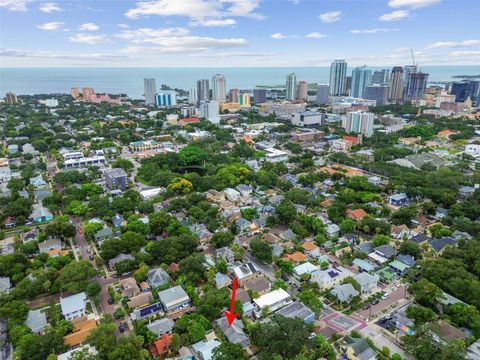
x=396 y=295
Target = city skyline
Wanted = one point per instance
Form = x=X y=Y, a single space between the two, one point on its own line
x=247 y=33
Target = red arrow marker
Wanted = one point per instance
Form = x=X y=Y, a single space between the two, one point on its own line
x=231 y=315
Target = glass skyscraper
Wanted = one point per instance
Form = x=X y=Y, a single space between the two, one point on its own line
x=361 y=78
x=338 y=73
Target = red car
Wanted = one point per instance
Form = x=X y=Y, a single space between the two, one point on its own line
x=80 y=231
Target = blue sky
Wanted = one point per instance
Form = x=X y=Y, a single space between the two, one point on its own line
x=216 y=33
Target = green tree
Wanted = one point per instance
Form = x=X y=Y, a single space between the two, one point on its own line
x=310 y=299
x=262 y=250
x=222 y=238
x=76 y=276
x=425 y=293
x=379 y=240
x=228 y=351
x=420 y=314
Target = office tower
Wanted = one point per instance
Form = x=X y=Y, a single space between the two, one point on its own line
x=415 y=87
x=150 y=89
x=338 y=72
x=291 y=87
x=87 y=92
x=244 y=100
x=407 y=70
x=348 y=85
x=192 y=96
x=74 y=92
x=361 y=78
x=359 y=122
x=395 y=90
x=376 y=92
x=381 y=76
x=218 y=88
x=203 y=90
x=302 y=90
x=323 y=91
x=210 y=111
x=11 y=98
x=166 y=98
x=466 y=89
x=233 y=95
x=259 y=96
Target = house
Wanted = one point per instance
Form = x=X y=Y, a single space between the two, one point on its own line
x=329 y=277
x=305 y=268
x=440 y=213
x=473 y=351
x=38 y=181
x=398 y=199
x=203 y=350
x=36 y=321
x=287 y=235
x=234 y=333
x=259 y=285
x=5 y=284
x=160 y=346
x=368 y=283
x=400 y=231
x=398 y=267
x=128 y=287
x=245 y=272
x=174 y=299
x=363 y=265
x=118 y=220
x=119 y=258
x=103 y=234
x=420 y=239
x=47 y=245
x=358 y=349
x=356 y=214
x=9 y=222
x=298 y=310
x=84 y=349
x=382 y=253
x=41 y=214
x=311 y=249
x=157 y=277
x=243 y=225
x=116 y=178
x=457 y=235
x=147 y=311
x=406 y=259
x=345 y=292
x=446 y=331
x=225 y=253
x=140 y=300
x=74 y=306
x=81 y=330
x=161 y=326
x=245 y=190
x=365 y=247
x=232 y=195
x=297 y=257
x=215 y=196
x=439 y=244
x=222 y=280
x=332 y=231
x=271 y=301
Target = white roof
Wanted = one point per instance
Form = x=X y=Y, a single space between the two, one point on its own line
x=377 y=258
x=69 y=354
x=73 y=303
x=305 y=268
x=271 y=298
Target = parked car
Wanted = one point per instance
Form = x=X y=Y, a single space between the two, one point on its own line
x=374 y=302
x=385 y=296
x=121 y=328
x=110 y=301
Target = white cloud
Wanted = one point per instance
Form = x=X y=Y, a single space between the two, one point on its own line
x=88 y=27
x=295 y=2
x=279 y=36
x=212 y=22
x=14 y=5
x=54 y=25
x=395 y=15
x=373 y=31
x=123 y=26
x=50 y=7
x=174 y=40
x=413 y=4
x=13 y=53
x=453 y=44
x=196 y=8
x=465 y=53
x=331 y=16
x=90 y=39
x=315 y=35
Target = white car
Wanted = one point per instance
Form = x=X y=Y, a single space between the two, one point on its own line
x=385 y=296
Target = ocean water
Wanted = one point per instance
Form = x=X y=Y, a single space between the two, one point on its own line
x=28 y=81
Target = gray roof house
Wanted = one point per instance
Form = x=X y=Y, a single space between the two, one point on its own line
x=386 y=251
x=359 y=348
x=174 y=299
x=439 y=244
x=157 y=277
x=222 y=280
x=161 y=326
x=298 y=310
x=332 y=230
x=74 y=306
x=47 y=245
x=234 y=333
x=119 y=258
x=203 y=350
x=368 y=283
x=345 y=292
x=226 y=253
x=103 y=234
x=36 y=321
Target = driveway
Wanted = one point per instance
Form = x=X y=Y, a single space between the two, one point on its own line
x=397 y=295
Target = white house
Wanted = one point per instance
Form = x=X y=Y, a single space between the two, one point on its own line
x=74 y=306
x=330 y=277
x=273 y=300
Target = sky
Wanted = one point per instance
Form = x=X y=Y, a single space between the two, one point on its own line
x=237 y=33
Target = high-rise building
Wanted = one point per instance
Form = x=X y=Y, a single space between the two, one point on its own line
x=338 y=73
x=244 y=100
x=233 y=95
x=376 y=92
x=11 y=98
x=302 y=90
x=466 y=89
x=259 y=96
x=150 y=89
x=291 y=87
x=395 y=90
x=192 y=96
x=166 y=98
x=348 y=84
x=359 y=122
x=407 y=70
x=218 y=88
x=323 y=91
x=381 y=76
x=203 y=90
x=210 y=111
x=88 y=91
x=361 y=78
x=415 y=87
x=74 y=92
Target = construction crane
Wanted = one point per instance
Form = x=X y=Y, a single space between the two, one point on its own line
x=413 y=58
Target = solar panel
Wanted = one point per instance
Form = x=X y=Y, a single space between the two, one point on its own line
x=150 y=309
